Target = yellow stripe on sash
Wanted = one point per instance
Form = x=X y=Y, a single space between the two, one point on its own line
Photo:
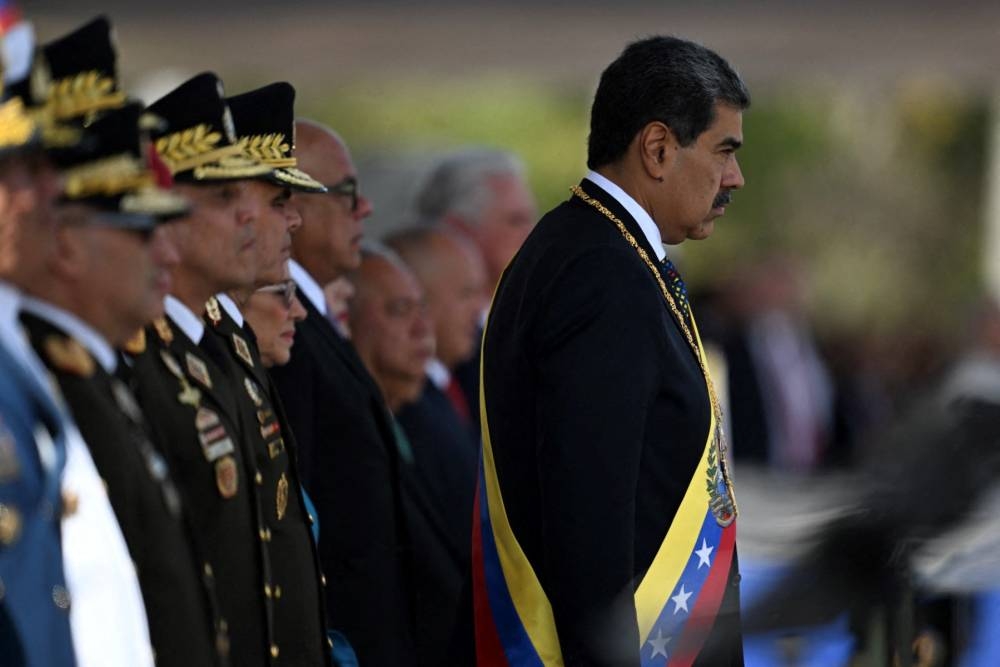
x=525 y=590
x=674 y=553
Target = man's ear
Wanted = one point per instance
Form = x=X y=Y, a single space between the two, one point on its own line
x=70 y=244
x=657 y=149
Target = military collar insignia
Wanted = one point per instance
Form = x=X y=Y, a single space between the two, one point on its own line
x=198 y=370
x=171 y=364
x=136 y=344
x=67 y=355
x=281 y=496
x=242 y=349
x=163 y=330
x=212 y=311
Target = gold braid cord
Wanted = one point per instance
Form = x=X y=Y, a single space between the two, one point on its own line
x=718 y=436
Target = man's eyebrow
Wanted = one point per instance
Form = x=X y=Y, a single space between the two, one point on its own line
x=730 y=142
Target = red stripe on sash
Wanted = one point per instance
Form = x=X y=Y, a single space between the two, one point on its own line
x=706 y=609
x=489 y=650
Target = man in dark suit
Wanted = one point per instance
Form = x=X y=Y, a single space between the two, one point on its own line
x=606 y=535
x=480 y=194
x=348 y=451
x=438 y=424
x=106 y=278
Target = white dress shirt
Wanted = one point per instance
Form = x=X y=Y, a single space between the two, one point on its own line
x=640 y=214
x=308 y=286
x=190 y=324
x=230 y=307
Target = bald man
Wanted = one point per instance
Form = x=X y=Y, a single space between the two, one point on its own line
x=438 y=424
x=347 y=448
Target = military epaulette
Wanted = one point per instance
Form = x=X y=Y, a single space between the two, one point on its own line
x=67 y=355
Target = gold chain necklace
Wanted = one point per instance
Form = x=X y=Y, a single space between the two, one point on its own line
x=718 y=439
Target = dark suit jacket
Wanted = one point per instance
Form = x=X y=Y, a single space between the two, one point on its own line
x=225 y=524
x=598 y=415
x=299 y=619
x=439 y=496
x=350 y=465
x=178 y=598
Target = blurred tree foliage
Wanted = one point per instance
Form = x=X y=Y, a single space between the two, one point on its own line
x=877 y=191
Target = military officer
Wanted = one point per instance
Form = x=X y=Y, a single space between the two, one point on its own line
x=32 y=436
x=186 y=397
x=107 y=278
x=264 y=120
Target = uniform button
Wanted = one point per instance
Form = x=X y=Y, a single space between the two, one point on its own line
x=277 y=591
x=60 y=596
x=208 y=570
x=265 y=534
x=322 y=579
x=329 y=641
x=267 y=590
x=274 y=650
x=259 y=478
x=10 y=524
x=312 y=519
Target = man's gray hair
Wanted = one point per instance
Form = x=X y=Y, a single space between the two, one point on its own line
x=459 y=184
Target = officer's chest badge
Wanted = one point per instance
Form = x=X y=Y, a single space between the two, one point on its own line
x=198 y=370
x=163 y=330
x=281 y=496
x=226 y=477
x=68 y=355
x=10 y=465
x=253 y=391
x=242 y=350
x=212 y=310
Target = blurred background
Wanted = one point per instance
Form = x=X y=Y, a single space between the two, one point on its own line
x=861 y=260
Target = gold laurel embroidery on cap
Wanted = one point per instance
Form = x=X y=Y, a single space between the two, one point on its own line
x=295 y=177
x=154 y=201
x=271 y=149
x=69 y=356
x=234 y=166
x=107 y=177
x=193 y=147
x=16 y=126
x=82 y=94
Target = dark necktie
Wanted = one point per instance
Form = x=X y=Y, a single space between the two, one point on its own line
x=676 y=286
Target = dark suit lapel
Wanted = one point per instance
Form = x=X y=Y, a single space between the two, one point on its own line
x=317 y=321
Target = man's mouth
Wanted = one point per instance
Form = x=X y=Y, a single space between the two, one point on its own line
x=723 y=199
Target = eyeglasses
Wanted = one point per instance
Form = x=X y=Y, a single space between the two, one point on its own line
x=346 y=188
x=286 y=290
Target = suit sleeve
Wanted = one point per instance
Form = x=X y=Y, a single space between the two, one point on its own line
x=597 y=336
x=296 y=385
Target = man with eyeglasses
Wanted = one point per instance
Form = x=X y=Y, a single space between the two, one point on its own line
x=347 y=447
x=264 y=121
x=106 y=278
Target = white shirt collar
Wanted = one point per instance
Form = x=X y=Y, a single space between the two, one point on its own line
x=192 y=325
x=640 y=214
x=308 y=286
x=82 y=332
x=438 y=374
x=230 y=307
x=10 y=303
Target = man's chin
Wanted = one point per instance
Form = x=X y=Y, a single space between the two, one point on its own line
x=702 y=231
